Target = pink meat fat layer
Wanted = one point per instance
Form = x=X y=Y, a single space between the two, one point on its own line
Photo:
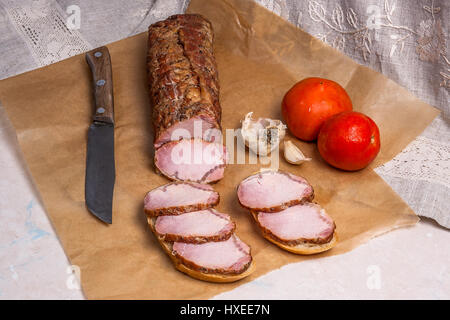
x=179 y=195
x=271 y=189
x=192 y=160
x=231 y=254
x=307 y=221
x=196 y=127
x=198 y=223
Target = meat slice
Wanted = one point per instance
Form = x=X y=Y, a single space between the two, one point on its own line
x=272 y=191
x=226 y=257
x=196 y=127
x=299 y=224
x=191 y=160
x=195 y=227
x=180 y=197
x=182 y=77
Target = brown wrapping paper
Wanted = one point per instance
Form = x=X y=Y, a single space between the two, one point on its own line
x=259 y=56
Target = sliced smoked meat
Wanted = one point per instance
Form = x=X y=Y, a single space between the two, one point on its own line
x=195 y=127
x=231 y=256
x=180 y=197
x=195 y=227
x=191 y=160
x=182 y=77
x=302 y=223
x=272 y=191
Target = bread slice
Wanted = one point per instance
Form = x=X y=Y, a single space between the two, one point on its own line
x=211 y=277
x=303 y=248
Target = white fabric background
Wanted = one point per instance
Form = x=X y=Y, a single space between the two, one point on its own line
x=405 y=40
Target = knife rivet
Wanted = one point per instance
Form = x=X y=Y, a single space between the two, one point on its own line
x=98 y=54
x=101 y=82
x=100 y=110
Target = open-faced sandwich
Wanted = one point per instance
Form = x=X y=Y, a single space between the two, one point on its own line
x=281 y=205
x=200 y=240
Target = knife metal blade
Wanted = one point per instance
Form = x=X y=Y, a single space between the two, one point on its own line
x=100 y=164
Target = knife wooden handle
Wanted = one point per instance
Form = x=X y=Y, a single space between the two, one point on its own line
x=99 y=61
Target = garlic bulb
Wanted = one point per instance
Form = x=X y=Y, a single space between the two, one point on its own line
x=292 y=153
x=263 y=135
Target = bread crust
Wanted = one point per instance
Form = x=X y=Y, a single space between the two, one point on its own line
x=302 y=246
x=308 y=249
x=295 y=242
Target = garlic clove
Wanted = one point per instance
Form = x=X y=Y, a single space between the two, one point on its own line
x=293 y=154
x=262 y=135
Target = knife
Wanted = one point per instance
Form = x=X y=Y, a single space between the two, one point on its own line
x=100 y=167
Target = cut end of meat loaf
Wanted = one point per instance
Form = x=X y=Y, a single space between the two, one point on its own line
x=182 y=71
x=199 y=127
x=184 y=93
x=272 y=191
x=180 y=197
x=192 y=160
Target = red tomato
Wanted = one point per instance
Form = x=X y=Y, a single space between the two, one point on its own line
x=310 y=102
x=349 y=141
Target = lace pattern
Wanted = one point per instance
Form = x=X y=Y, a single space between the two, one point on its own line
x=423 y=159
x=42 y=25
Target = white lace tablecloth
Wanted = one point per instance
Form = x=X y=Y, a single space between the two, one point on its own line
x=405 y=40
